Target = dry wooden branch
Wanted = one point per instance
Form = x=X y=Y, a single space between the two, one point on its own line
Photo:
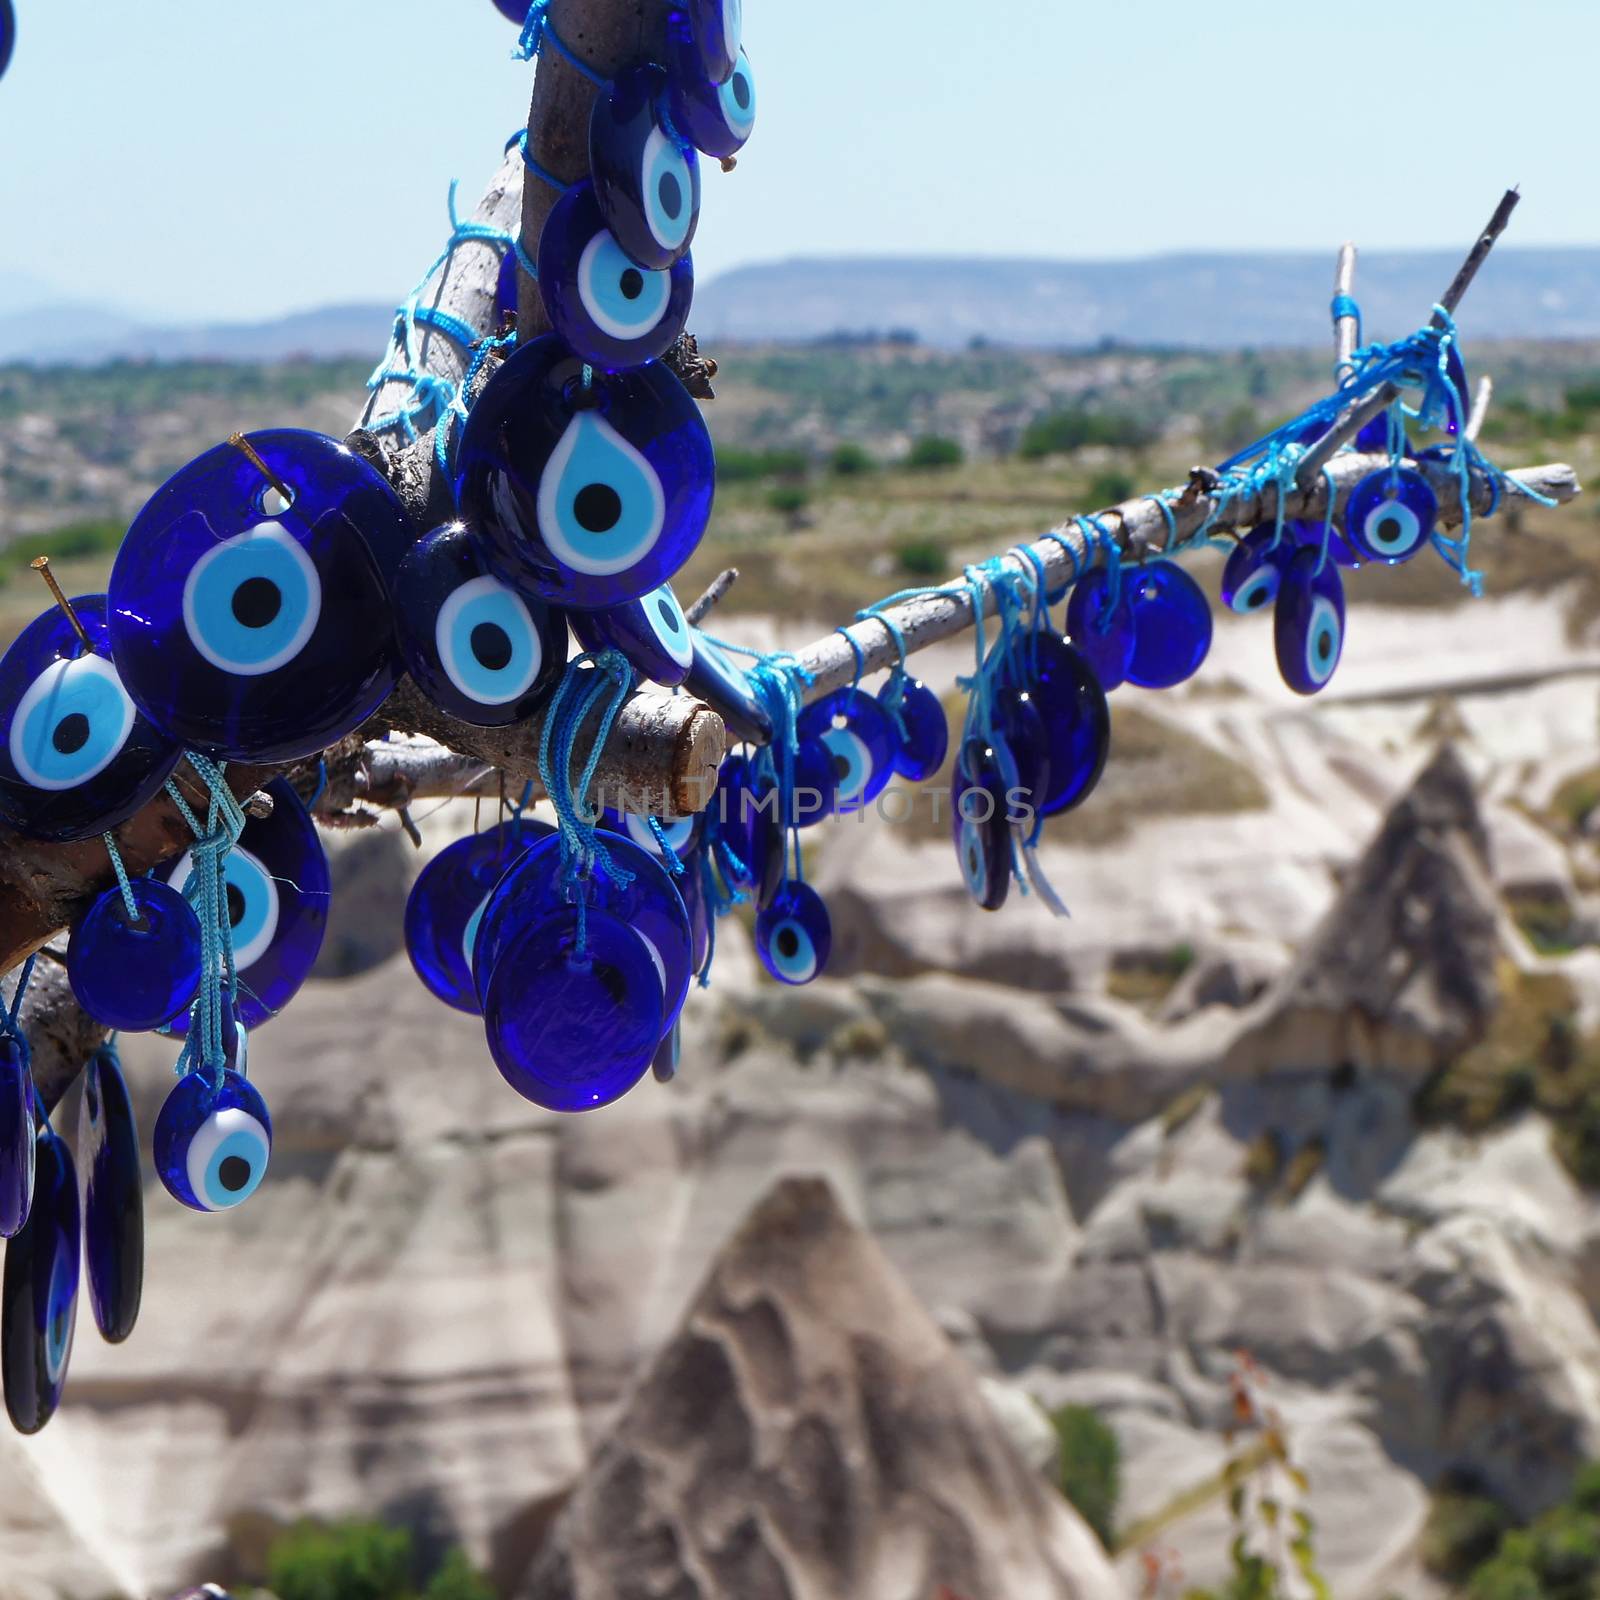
x=1346 y=327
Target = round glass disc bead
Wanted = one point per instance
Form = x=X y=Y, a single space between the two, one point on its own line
x=925 y=740
x=8 y=34
x=794 y=934
x=860 y=740
x=717 y=118
x=646 y=178
x=136 y=976
x=1254 y=569
x=113 y=1197
x=1100 y=621
x=1391 y=515
x=1077 y=721
x=251 y=628
x=16 y=1136
x=213 y=1141
x=586 y=496
x=652 y=632
x=77 y=757
x=1171 y=625
x=716 y=28
x=1308 y=624
x=979 y=829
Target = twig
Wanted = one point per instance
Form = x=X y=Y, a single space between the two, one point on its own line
x=719 y=586
x=1480 y=407
x=1453 y=296
x=1347 y=327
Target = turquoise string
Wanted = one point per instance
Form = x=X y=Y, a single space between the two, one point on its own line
x=538 y=31
x=129 y=904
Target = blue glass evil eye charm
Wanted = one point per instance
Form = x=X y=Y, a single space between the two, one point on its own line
x=473 y=645
x=613 y=312
x=980 y=829
x=923 y=728
x=716 y=27
x=1391 y=514
x=76 y=756
x=136 y=975
x=16 y=1135
x=113 y=1197
x=585 y=495
x=213 y=1142
x=39 y=1298
x=646 y=177
x=1100 y=621
x=513 y=10
x=726 y=687
x=682 y=837
x=253 y=628
x=652 y=632
x=278 y=889
x=1171 y=625
x=794 y=935
x=1309 y=622
x=8 y=34
x=1254 y=568
x=862 y=742
x=574 y=1010
x=717 y=118
x=1077 y=721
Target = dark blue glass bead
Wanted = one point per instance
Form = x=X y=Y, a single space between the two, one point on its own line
x=613 y=312
x=769 y=845
x=254 y=631
x=717 y=118
x=814 y=794
x=136 y=975
x=794 y=935
x=473 y=645
x=278 y=890
x=664 y=1065
x=76 y=756
x=1308 y=626
x=683 y=835
x=1254 y=568
x=514 y=10
x=585 y=496
x=924 y=732
x=1100 y=622
x=1077 y=721
x=1021 y=747
x=1390 y=514
x=1313 y=533
x=113 y=1197
x=8 y=34
x=447 y=903
x=16 y=1136
x=652 y=632
x=39 y=1298
x=212 y=1143
x=717 y=28
x=728 y=821
x=1171 y=625
x=725 y=686
x=700 y=914
x=507 y=287
x=862 y=741
x=980 y=828
x=646 y=176
x=574 y=1025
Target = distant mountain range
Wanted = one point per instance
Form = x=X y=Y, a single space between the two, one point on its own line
x=1225 y=301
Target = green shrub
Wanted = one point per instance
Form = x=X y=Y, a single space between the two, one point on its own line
x=1059 y=433
x=932 y=452
x=341 y=1561
x=921 y=558
x=456 y=1580
x=754 y=466
x=1111 y=488
x=850 y=460
x=1463 y=1532
x=788 y=499
x=1089 y=1468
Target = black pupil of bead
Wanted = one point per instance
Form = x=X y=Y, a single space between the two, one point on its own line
x=671 y=192
x=598 y=507
x=1258 y=597
x=668 y=616
x=788 y=942
x=491 y=646
x=235 y=905
x=631 y=283
x=234 y=1173
x=841 y=767
x=256 y=602
x=611 y=980
x=1389 y=529
x=72 y=733
x=1324 y=645
x=741 y=91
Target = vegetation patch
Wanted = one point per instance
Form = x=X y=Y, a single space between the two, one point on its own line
x=1089 y=1468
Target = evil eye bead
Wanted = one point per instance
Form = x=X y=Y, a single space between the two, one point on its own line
x=16 y=1136
x=1391 y=514
x=924 y=731
x=664 y=1065
x=717 y=118
x=1022 y=748
x=1254 y=569
x=212 y=1144
x=76 y=756
x=39 y=1298
x=475 y=646
x=652 y=632
x=813 y=794
x=610 y=310
x=1100 y=621
x=646 y=177
x=1076 y=718
x=1171 y=625
x=513 y=10
x=135 y=975
x=586 y=495
x=1309 y=623
x=254 y=628
x=681 y=837
x=726 y=687
x=113 y=1197
x=8 y=34
x=860 y=739
x=794 y=935
x=980 y=829
x=715 y=28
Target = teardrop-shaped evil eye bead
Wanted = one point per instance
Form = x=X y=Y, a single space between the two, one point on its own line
x=794 y=935
x=924 y=731
x=39 y=1299
x=113 y=1197
x=1254 y=568
x=1309 y=623
x=646 y=176
x=716 y=28
x=1077 y=721
x=681 y=836
x=253 y=629
x=587 y=496
x=980 y=829
x=613 y=312
x=278 y=889
x=135 y=975
x=1391 y=515
x=1171 y=625
x=212 y=1143
x=474 y=645
x=717 y=118
x=76 y=757
x=652 y=632
x=726 y=687
x=16 y=1135
x=574 y=1010
x=1100 y=621
x=447 y=903
x=860 y=738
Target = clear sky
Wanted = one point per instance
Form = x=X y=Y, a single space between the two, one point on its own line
x=237 y=158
